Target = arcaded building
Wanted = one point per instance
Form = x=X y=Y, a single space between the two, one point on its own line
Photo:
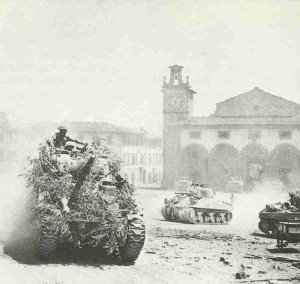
x=250 y=137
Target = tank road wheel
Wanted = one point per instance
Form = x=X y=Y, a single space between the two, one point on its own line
x=134 y=242
x=49 y=236
x=263 y=225
x=199 y=217
x=223 y=218
x=218 y=218
x=207 y=218
x=187 y=215
x=212 y=217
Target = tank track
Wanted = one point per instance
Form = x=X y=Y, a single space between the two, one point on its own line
x=134 y=242
x=196 y=215
x=48 y=235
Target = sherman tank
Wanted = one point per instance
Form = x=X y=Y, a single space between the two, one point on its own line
x=272 y=214
x=80 y=201
x=197 y=205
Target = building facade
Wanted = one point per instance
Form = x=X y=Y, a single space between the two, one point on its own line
x=142 y=157
x=249 y=137
x=140 y=152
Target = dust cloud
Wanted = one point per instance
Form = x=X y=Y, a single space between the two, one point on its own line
x=13 y=196
x=15 y=231
x=246 y=206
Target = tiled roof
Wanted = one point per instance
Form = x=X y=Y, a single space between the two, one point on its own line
x=256 y=103
x=104 y=127
x=257 y=91
x=211 y=120
x=98 y=127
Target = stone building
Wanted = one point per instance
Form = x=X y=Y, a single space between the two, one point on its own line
x=249 y=137
x=141 y=152
x=142 y=157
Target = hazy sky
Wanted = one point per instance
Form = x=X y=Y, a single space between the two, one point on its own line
x=105 y=60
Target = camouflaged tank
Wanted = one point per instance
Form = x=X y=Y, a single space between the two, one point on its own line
x=80 y=201
x=197 y=205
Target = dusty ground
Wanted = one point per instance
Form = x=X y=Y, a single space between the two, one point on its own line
x=177 y=253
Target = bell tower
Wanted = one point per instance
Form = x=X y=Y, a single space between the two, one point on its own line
x=177 y=106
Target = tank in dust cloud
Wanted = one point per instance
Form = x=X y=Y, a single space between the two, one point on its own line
x=80 y=201
x=272 y=214
x=196 y=205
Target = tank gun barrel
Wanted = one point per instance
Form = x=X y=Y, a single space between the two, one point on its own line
x=81 y=177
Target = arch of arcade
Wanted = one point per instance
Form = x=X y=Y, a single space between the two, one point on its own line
x=249 y=137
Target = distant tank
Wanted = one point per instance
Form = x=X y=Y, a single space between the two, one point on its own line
x=197 y=205
x=272 y=214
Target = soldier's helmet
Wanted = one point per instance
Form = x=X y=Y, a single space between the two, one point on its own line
x=62 y=128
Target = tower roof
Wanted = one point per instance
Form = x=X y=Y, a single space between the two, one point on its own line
x=176 y=79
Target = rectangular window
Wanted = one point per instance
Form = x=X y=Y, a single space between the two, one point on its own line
x=132 y=159
x=285 y=134
x=141 y=159
x=254 y=134
x=128 y=159
x=136 y=159
x=195 y=135
x=223 y=134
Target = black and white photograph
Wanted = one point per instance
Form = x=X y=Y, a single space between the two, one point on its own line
x=146 y=141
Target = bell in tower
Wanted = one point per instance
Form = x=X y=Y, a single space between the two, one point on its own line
x=176 y=79
x=176 y=75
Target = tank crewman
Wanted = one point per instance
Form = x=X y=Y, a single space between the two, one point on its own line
x=60 y=139
x=119 y=181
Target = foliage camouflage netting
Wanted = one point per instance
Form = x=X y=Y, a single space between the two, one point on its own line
x=48 y=186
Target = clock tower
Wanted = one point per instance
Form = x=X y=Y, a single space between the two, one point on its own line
x=177 y=106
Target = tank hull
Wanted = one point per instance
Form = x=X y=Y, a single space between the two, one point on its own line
x=76 y=204
x=269 y=221
x=195 y=209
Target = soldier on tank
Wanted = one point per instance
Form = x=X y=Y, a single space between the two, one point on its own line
x=120 y=181
x=60 y=139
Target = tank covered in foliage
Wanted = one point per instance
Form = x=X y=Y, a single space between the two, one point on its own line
x=272 y=214
x=197 y=205
x=79 y=200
